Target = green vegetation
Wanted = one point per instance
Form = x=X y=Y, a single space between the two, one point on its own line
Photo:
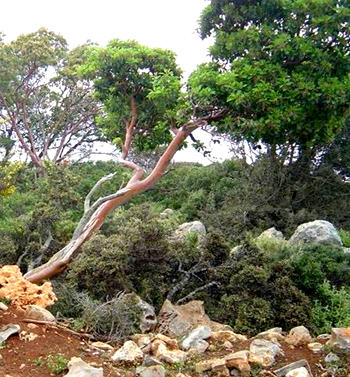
x=56 y=363
x=277 y=88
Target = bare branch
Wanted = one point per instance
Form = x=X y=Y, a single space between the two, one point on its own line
x=95 y=188
x=193 y=293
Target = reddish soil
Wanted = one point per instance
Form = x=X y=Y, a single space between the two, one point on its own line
x=22 y=358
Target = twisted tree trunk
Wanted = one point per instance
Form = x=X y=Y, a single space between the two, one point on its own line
x=95 y=215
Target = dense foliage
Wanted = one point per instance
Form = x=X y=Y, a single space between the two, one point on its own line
x=278 y=86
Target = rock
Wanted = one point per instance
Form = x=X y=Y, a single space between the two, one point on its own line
x=273 y=335
x=205 y=365
x=297 y=364
x=197 y=227
x=340 y=337
x=298 y=372
x=318 y=231
x=3 y=307
x=200 y=333
x=331 y=358
x=142 y=340
x=218 y=364
x=7 y=331
x=298 y=336
x=271 y=233
x=148 y=318
x=178 y=320
x=27 y=337
x=324 y=337
x=240 y=361
x=152 y=371
x=39 y=314
x=21 y=292
x=166 y=355
x=168 y=212
x=199 y=346
x=315 y=347
x=263 y=352
x=130 y=353
x=78 y=368
x=102 y=346
x=225 y=335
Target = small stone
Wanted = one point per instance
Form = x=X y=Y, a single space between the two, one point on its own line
x=218 y=364
x=152 y=371
x=331 y=358
x=7 y=331
x=228 y=345
x=315 y=347
x=199 y=346
x=32 y=326
x=3 y=307
x=169 y=356
x=299 y=372
x=102 y=346
x=324 y=337
x=27 y=337
x=240 y=361
x=78 y=368
x=39 y=314
x=129 y=353
x=200 y=333
x=263 y=352
x=204 y=365
x=22 y=366
x=298 y=336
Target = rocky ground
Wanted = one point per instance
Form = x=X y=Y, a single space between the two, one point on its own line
x=44 y=349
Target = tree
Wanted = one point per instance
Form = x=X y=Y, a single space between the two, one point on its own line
x=143 y=106
x=45 y=106
x=282 y=69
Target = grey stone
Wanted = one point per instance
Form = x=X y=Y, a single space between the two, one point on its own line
x=7 y=331
x=3 y=307
x=150 y=361
x=271 y=233
x=39 y=314
x=318 y=232
x=200 y=333
x=148 y=318
x=193 y=227
x=297 y=364
x=153 y=371
x=331 y=358
x=298 y=372
x=263 y=352
x=340 y=337
x=78 y=368
x=199 y=346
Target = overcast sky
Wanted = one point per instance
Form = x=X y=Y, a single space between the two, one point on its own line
x=167 y=24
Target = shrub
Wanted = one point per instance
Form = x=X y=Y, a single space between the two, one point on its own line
x=333 y=310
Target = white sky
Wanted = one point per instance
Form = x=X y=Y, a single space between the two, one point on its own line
x=167 y=24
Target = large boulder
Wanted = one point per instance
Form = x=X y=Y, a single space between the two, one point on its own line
x=21 y=292
x=178 y=320
x=317 y=232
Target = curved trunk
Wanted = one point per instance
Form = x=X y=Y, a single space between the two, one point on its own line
x=90 y=223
